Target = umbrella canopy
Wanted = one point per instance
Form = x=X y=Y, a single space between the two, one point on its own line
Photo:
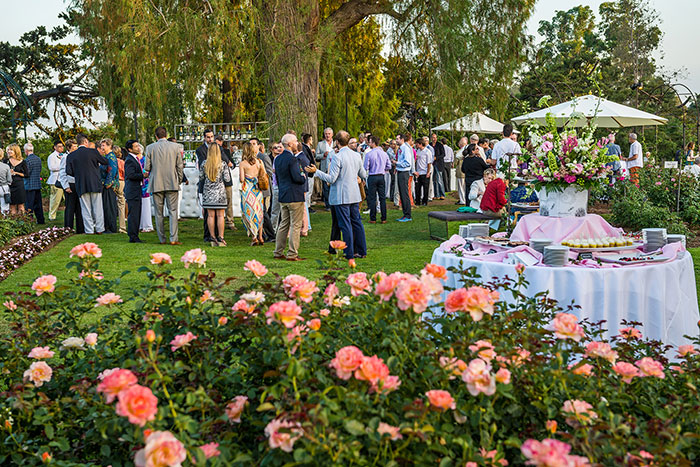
x=473 y=123
x=607 y=114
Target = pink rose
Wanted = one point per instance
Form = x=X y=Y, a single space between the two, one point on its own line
x=433 y=285
x=578 y=410
x=358 y=283
x=393 y=432
x=330 y=293
x=346 y=361
x=338 y=245
x=86 y=249
x=566 y=326
x=453 y=365
x=210 y=450
x=44 y=284
x=650 y=367
x=314 y=324
x=412 y=294
x=388 y=384
x=437 y=271
x=10 y=305
x=475 y=300
x=256 y=268
x=115 y=381
x=196 y=256
x=685 y=350
x=91 y=339
x=551 y=426
x=626 y=370
x=478 y=378
x=181 y=341
x=484 y=349
x=601 y=350
x=138 y=404
x=283 y=434
x=150 y=335
x=631 y=333
x=38 y=373
x=222 y=320
x=372 y=369
x=520 y=268
x=108 y=299
x=583 y=370
x=161 y=258
x=503 y=376
x=387 y=285
x=547 y=453
x=40 y=353
x=235 y=408
x=440 y=399
x=162 y=449
x=287 y=313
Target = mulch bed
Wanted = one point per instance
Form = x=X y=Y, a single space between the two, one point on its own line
x=25 y=248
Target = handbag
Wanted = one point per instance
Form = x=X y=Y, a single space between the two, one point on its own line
x=7 y=198
x=263 y=180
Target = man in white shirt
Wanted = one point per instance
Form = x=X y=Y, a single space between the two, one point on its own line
x=324 y=154
x=635 y=160
x=449 y=160
x=54 y=163
x=506 y=148
x=459 y=157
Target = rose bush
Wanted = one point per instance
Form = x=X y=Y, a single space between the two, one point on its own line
x=293 y=371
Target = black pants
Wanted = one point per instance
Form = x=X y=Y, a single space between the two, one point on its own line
x=268 y=230
x=392 y=187
x=376 y=185
x=403 y=193
x=133 y=220
x=73 y=211
x=109 y=207
x=33 y=204
x=422 y=190
x=335 y=229
x=446 y=176
x=326 y=192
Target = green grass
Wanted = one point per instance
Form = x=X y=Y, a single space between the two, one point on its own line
x=393 y=246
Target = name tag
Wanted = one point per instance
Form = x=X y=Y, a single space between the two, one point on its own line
x=585 y=255
x=670 y=164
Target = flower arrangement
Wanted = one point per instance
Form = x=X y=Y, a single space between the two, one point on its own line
x=289 y=370
x=564 y=158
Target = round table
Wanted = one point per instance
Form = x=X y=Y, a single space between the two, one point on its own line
x=663 y=296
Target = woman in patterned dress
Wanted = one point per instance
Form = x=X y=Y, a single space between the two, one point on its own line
x=214 y=173
x=251 y=196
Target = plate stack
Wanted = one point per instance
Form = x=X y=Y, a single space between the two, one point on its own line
x=654 y=239
x=673 y=238
x=464 y=231
x=538 y=244
x=478 y=230
x=556 y=255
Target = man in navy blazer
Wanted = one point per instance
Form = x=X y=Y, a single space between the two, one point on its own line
x=291 y=181
x=84 y=164
x=133 y=181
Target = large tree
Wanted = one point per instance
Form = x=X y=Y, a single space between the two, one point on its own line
x=151 y=54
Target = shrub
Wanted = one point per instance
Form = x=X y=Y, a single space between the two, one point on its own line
x=632 y=209
x=13 y=226
x=297 y=372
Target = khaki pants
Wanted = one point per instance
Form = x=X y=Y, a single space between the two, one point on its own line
x=159 y=200
x=229 y=208
x=290 y=223
x=121 y=206
x=54 y=202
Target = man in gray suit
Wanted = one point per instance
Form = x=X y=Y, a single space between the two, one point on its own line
x=344 y=194
x=166 y=172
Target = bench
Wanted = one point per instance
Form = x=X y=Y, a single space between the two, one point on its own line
x=451 y=216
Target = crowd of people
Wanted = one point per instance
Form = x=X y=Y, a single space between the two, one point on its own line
x=113 y=189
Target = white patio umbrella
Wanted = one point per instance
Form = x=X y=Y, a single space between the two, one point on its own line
x=473 y=123
x=607 y=114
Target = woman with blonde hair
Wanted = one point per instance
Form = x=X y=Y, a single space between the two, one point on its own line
x=5 y=182
x=214 y=173
x=19 y=170
x=251 y=196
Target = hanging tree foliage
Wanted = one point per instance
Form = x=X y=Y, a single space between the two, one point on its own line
x=160 y=57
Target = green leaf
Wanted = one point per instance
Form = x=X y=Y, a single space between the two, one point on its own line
x=354 y=427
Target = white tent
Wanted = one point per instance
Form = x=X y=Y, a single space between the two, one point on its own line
x=473 y=123
x=607 y=114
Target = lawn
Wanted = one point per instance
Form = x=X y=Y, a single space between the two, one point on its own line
x=393 y=246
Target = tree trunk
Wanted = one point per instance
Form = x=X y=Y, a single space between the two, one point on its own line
x=292 y=60
x=227 y=99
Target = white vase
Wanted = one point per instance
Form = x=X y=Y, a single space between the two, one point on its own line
x=571 y=202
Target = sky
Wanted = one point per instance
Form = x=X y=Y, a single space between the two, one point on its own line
x=678 y=22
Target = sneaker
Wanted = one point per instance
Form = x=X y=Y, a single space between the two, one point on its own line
x=365 y=212
x=404 y=219
x=408 y=219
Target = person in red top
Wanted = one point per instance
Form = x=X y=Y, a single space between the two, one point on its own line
x=119 y=189
x=493 y=203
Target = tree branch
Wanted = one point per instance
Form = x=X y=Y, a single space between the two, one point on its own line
x=352 y=12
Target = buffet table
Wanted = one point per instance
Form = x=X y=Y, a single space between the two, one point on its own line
x=189 y=198
x=661 y=295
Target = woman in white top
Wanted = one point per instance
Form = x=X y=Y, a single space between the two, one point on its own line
x=5 y=182
x=476 y=191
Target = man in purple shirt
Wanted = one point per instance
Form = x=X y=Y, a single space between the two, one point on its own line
x=376 y=164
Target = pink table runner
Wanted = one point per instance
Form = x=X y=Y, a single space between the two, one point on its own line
x=559 y=229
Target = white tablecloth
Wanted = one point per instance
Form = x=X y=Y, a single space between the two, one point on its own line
x=189 y=199
x=661 y=296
